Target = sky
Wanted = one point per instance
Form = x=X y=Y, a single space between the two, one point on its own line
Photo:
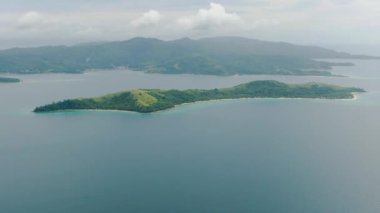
x=315 y=22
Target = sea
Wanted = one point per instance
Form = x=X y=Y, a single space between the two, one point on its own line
x=233 y=156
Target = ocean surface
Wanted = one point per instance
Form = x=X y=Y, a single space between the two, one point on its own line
x=240 y=156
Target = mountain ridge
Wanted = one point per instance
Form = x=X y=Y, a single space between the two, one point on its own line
x=210 y=56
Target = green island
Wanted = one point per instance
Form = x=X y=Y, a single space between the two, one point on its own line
x=9 y=80
x=152 y=100
x=223 y=56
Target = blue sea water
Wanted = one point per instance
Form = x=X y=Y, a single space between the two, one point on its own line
x=248 y=155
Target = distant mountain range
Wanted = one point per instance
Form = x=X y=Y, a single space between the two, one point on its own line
x=210 y=56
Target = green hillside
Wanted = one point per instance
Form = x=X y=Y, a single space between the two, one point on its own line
x=151 y=100
x=211 y=56
x=9 y=80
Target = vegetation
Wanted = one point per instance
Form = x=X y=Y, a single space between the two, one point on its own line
x=211 y=56
x=151 y=100
x=9 y=80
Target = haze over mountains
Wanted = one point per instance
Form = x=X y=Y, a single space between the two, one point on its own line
x=211 y=56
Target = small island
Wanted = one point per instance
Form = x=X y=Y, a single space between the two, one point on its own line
x=9 y=80
x=152 y=100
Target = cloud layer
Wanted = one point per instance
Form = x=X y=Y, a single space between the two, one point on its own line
x=150 y=18
x=350 y=21
x=215 y=16
x=30 y=19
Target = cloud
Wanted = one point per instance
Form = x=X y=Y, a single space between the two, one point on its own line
x=150 y=18
x=287 y=20
x=30 y=19
x=36 y=20
x=215 y=16
x=343 y=1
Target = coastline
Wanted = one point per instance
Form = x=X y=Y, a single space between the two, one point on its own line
x=355 y=97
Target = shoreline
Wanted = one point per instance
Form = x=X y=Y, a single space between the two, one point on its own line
x=355 y=97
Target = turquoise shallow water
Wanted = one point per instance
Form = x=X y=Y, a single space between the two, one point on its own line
x=246 y=155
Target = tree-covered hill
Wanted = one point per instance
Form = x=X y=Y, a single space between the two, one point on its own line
x=9 y=80
x=210 y=56
x=151 y=100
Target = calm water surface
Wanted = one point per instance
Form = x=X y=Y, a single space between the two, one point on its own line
x=267 y=155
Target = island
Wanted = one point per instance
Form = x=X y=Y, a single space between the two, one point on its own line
x=224 y=56
x=9 y=80
x=152 y=100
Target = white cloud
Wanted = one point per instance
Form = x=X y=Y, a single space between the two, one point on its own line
x=288 y=20
x=215 y=16
x=31 y=19
x=343 y=1
x=150 y=18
